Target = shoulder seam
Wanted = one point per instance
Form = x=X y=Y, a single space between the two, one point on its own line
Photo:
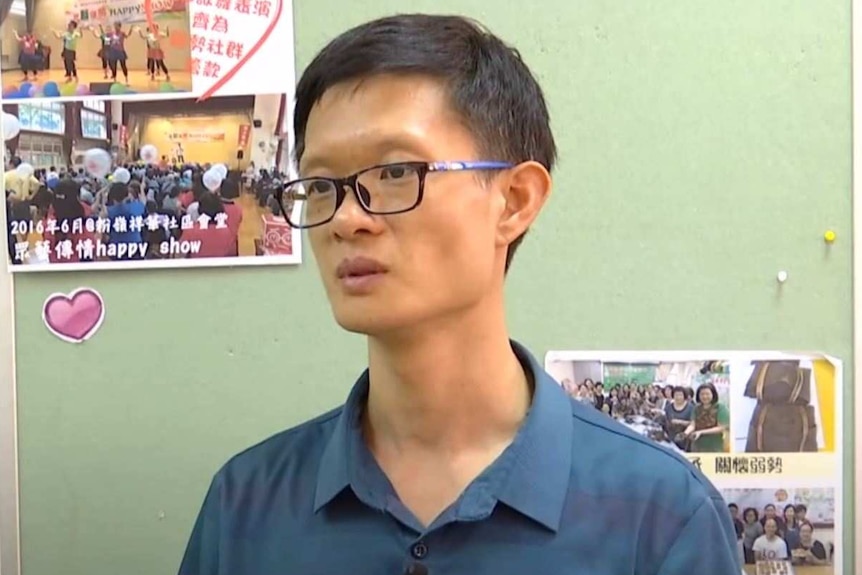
x=323 y=418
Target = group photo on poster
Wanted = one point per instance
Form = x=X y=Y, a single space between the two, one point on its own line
x=682 y=405
x=161 y=183
x=786 y=530
x=67 y=48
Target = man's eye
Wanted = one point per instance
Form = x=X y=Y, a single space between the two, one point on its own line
x=397 y=172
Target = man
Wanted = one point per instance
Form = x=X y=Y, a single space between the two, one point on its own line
x=424 y=148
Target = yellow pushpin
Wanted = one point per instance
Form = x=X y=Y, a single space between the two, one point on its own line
x=829 y=236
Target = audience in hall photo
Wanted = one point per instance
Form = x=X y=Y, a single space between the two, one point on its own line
x=692 y=421
x=68 y=198
x=770 y=536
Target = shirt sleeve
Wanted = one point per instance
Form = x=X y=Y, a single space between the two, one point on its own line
x=688 y=554
x=202 y=552
x=688 y=414
x=723 y=415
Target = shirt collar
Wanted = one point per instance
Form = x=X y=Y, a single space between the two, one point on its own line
x=333 y=476
x=538 y=482
x=537 y=479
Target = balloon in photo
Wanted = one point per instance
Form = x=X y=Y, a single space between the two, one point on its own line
x=212 y=180
x=67 y=89
x=51 y=90
x=122 y=175
x=11 y=126
x=97 y=162
x=149 y=154
x=24 y=170
x=220 y=169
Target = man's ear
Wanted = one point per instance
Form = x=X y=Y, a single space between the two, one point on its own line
x=525 y=190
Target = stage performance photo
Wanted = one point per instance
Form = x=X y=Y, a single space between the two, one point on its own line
x=95 y=48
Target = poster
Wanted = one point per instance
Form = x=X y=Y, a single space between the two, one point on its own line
x=168 y=158
x=764 y=427
x=204 y=49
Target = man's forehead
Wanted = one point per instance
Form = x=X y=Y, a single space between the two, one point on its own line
x=376 y=104
x=379 y=115
x=390 y=84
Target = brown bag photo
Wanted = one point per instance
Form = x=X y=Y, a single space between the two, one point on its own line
x=782 y=429
x=779 y=382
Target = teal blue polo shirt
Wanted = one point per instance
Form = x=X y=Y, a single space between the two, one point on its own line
x=575 y=493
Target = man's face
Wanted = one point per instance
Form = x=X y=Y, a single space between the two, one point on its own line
x=441 y=258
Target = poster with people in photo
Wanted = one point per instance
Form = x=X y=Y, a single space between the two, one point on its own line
x=765 y=427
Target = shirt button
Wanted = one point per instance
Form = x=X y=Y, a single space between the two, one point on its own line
x=416 y=569
x=419 y=550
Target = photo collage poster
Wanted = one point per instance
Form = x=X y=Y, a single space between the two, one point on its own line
x=765 y=428
x=147 y=133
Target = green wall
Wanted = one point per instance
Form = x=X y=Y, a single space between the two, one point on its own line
x=704 y=147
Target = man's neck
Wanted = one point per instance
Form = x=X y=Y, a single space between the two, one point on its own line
x=451 y=389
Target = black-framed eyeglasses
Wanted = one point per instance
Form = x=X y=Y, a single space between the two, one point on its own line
x=385 y=189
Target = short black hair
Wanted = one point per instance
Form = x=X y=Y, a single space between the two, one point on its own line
x=490 y=87
x=117 y=193
x=210 y=204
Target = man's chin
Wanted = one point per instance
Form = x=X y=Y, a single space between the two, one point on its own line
x=367 y=322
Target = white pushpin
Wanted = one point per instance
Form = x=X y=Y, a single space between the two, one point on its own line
x=782 y=276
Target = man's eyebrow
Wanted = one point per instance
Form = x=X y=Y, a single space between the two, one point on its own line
x=405 y=143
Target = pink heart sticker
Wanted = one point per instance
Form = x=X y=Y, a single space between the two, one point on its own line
x=74 y=317
x=275 y=16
